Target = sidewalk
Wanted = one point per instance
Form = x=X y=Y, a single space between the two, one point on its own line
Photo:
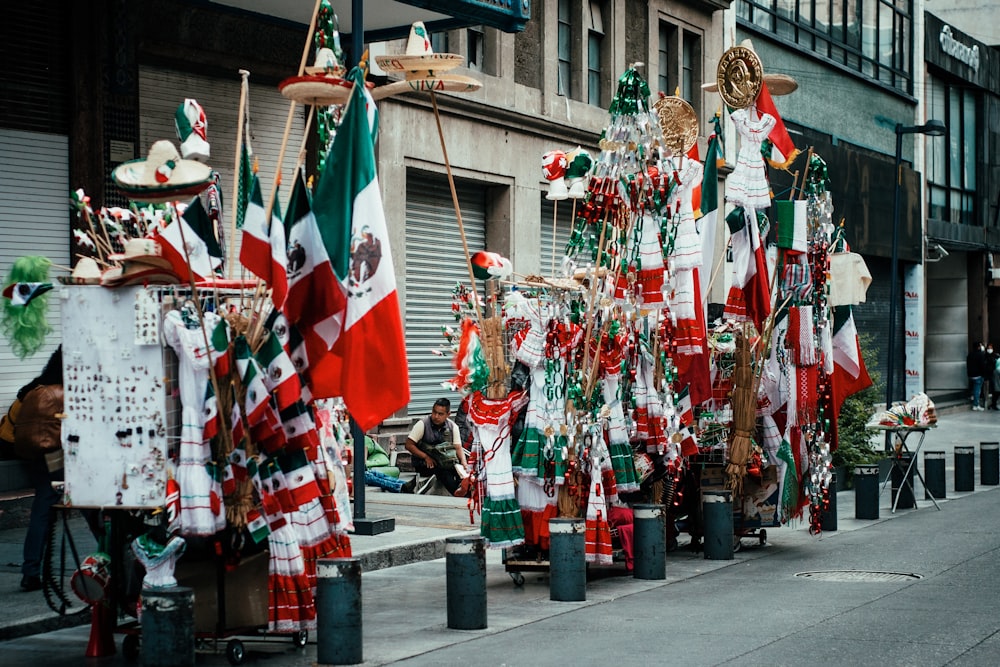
x=424 y=522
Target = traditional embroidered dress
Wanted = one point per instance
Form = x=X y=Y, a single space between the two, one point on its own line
x=644 y=274
x=617 y=434
x=537 y=507
x=597 y=547
x=544 y=349
x=747 y=186
x=201 y=484
x=649 y=412
x=491 y=420
x=687 y=244
x=292 y=607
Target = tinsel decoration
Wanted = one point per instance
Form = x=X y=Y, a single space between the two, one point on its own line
x=327 y=118
x=27 y=326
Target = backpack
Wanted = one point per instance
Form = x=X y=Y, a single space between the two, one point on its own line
x=38 y=424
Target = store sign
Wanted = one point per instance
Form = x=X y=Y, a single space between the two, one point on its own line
x=956 y=49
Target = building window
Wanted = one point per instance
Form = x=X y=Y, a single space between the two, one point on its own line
x=595 y=36
x=565 y=48
x=951 y=164
x=691 y=67
x=871 y=37
x=668 y=38
x=477 y=48
x=439 y=42
x=680 y=62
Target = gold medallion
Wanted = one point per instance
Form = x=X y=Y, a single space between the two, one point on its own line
x=740 y=76
x=676 y=438
x=678 y=123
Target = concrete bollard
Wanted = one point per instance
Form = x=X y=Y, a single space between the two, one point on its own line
x=866 y=491
x=828 y=518
x=934 y=485
x=965 y=469
x=902 y=490
x=650 y=540
x=465 y=571
x=167 y=627
x=989 y=463
x=339 y=636
x=717 y=514
x=567 y=560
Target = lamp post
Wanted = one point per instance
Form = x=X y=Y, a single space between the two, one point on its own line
x=932 y=128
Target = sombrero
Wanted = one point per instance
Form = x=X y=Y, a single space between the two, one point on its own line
x=425 y=82
x=322 y=85
x=777 y=84
x=143 y=251
x=419 y=55
x=678 y=123
x=138 y=274
x=86 y=272
x=161 y=176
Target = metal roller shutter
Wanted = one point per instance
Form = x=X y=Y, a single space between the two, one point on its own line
x=563 y=227
x=161 y=91
x=34 y=220
x=434 y=263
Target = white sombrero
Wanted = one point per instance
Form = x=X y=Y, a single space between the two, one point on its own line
x=143 y=251
x=425 y=82
x=419 y=55
x=162 y=175
x=323 y=84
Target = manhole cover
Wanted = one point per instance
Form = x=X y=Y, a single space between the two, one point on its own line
x=858 y=575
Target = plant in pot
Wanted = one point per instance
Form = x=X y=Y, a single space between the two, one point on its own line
x=856 y=445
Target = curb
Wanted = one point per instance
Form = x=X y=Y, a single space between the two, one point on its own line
x=40 y=624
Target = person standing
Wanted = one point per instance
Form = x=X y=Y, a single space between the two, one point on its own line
x=976 y=364
x=435 y=444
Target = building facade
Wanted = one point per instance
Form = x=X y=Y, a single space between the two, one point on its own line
x=962 y=88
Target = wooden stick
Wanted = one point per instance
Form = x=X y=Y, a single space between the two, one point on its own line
x=291 y=115
x=555 y=213
x=795 y=180
x=458 y=209
x=244 y=88
x=805 y=174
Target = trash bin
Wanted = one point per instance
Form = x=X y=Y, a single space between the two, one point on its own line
x=934 y=486
x=866 y=481
x=902 y=493
x=965 y=469
x=989 y=463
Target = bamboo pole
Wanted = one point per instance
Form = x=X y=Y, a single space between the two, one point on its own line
x=244 y=88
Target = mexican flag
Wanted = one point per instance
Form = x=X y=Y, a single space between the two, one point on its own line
x=279 y=373
x=263 y=251
x=316 y=300
x=189 y=241
x=749 y=295
x=367 y=363
x=709 y=221
x=782 y=151
x=849 y=373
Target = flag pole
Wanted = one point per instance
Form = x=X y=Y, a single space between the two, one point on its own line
x=555 y=214
x=291 y=114
x=458 y=209
x=244 y=87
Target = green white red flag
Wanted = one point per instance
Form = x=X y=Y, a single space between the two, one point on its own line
x=366 y=364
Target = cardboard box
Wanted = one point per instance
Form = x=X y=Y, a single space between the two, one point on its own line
x=247 y=600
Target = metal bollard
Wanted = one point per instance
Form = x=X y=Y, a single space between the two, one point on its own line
x=717 y=513
x=650 y=540
x=167 y=627
x=989 y=463
x=866 y=491
x=465 y=571
x=567 y=560
x=965 y=469
x=934 y=486
x=900 y=487
x=828 y=518
x=339 y=639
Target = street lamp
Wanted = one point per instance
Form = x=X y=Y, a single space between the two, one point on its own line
x=932 y=128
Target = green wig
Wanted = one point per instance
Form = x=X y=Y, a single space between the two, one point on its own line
x=26 y=326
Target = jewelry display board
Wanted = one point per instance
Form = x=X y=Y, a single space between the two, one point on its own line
x=115 y=429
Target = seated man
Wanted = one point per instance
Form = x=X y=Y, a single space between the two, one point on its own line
x=436 y=447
